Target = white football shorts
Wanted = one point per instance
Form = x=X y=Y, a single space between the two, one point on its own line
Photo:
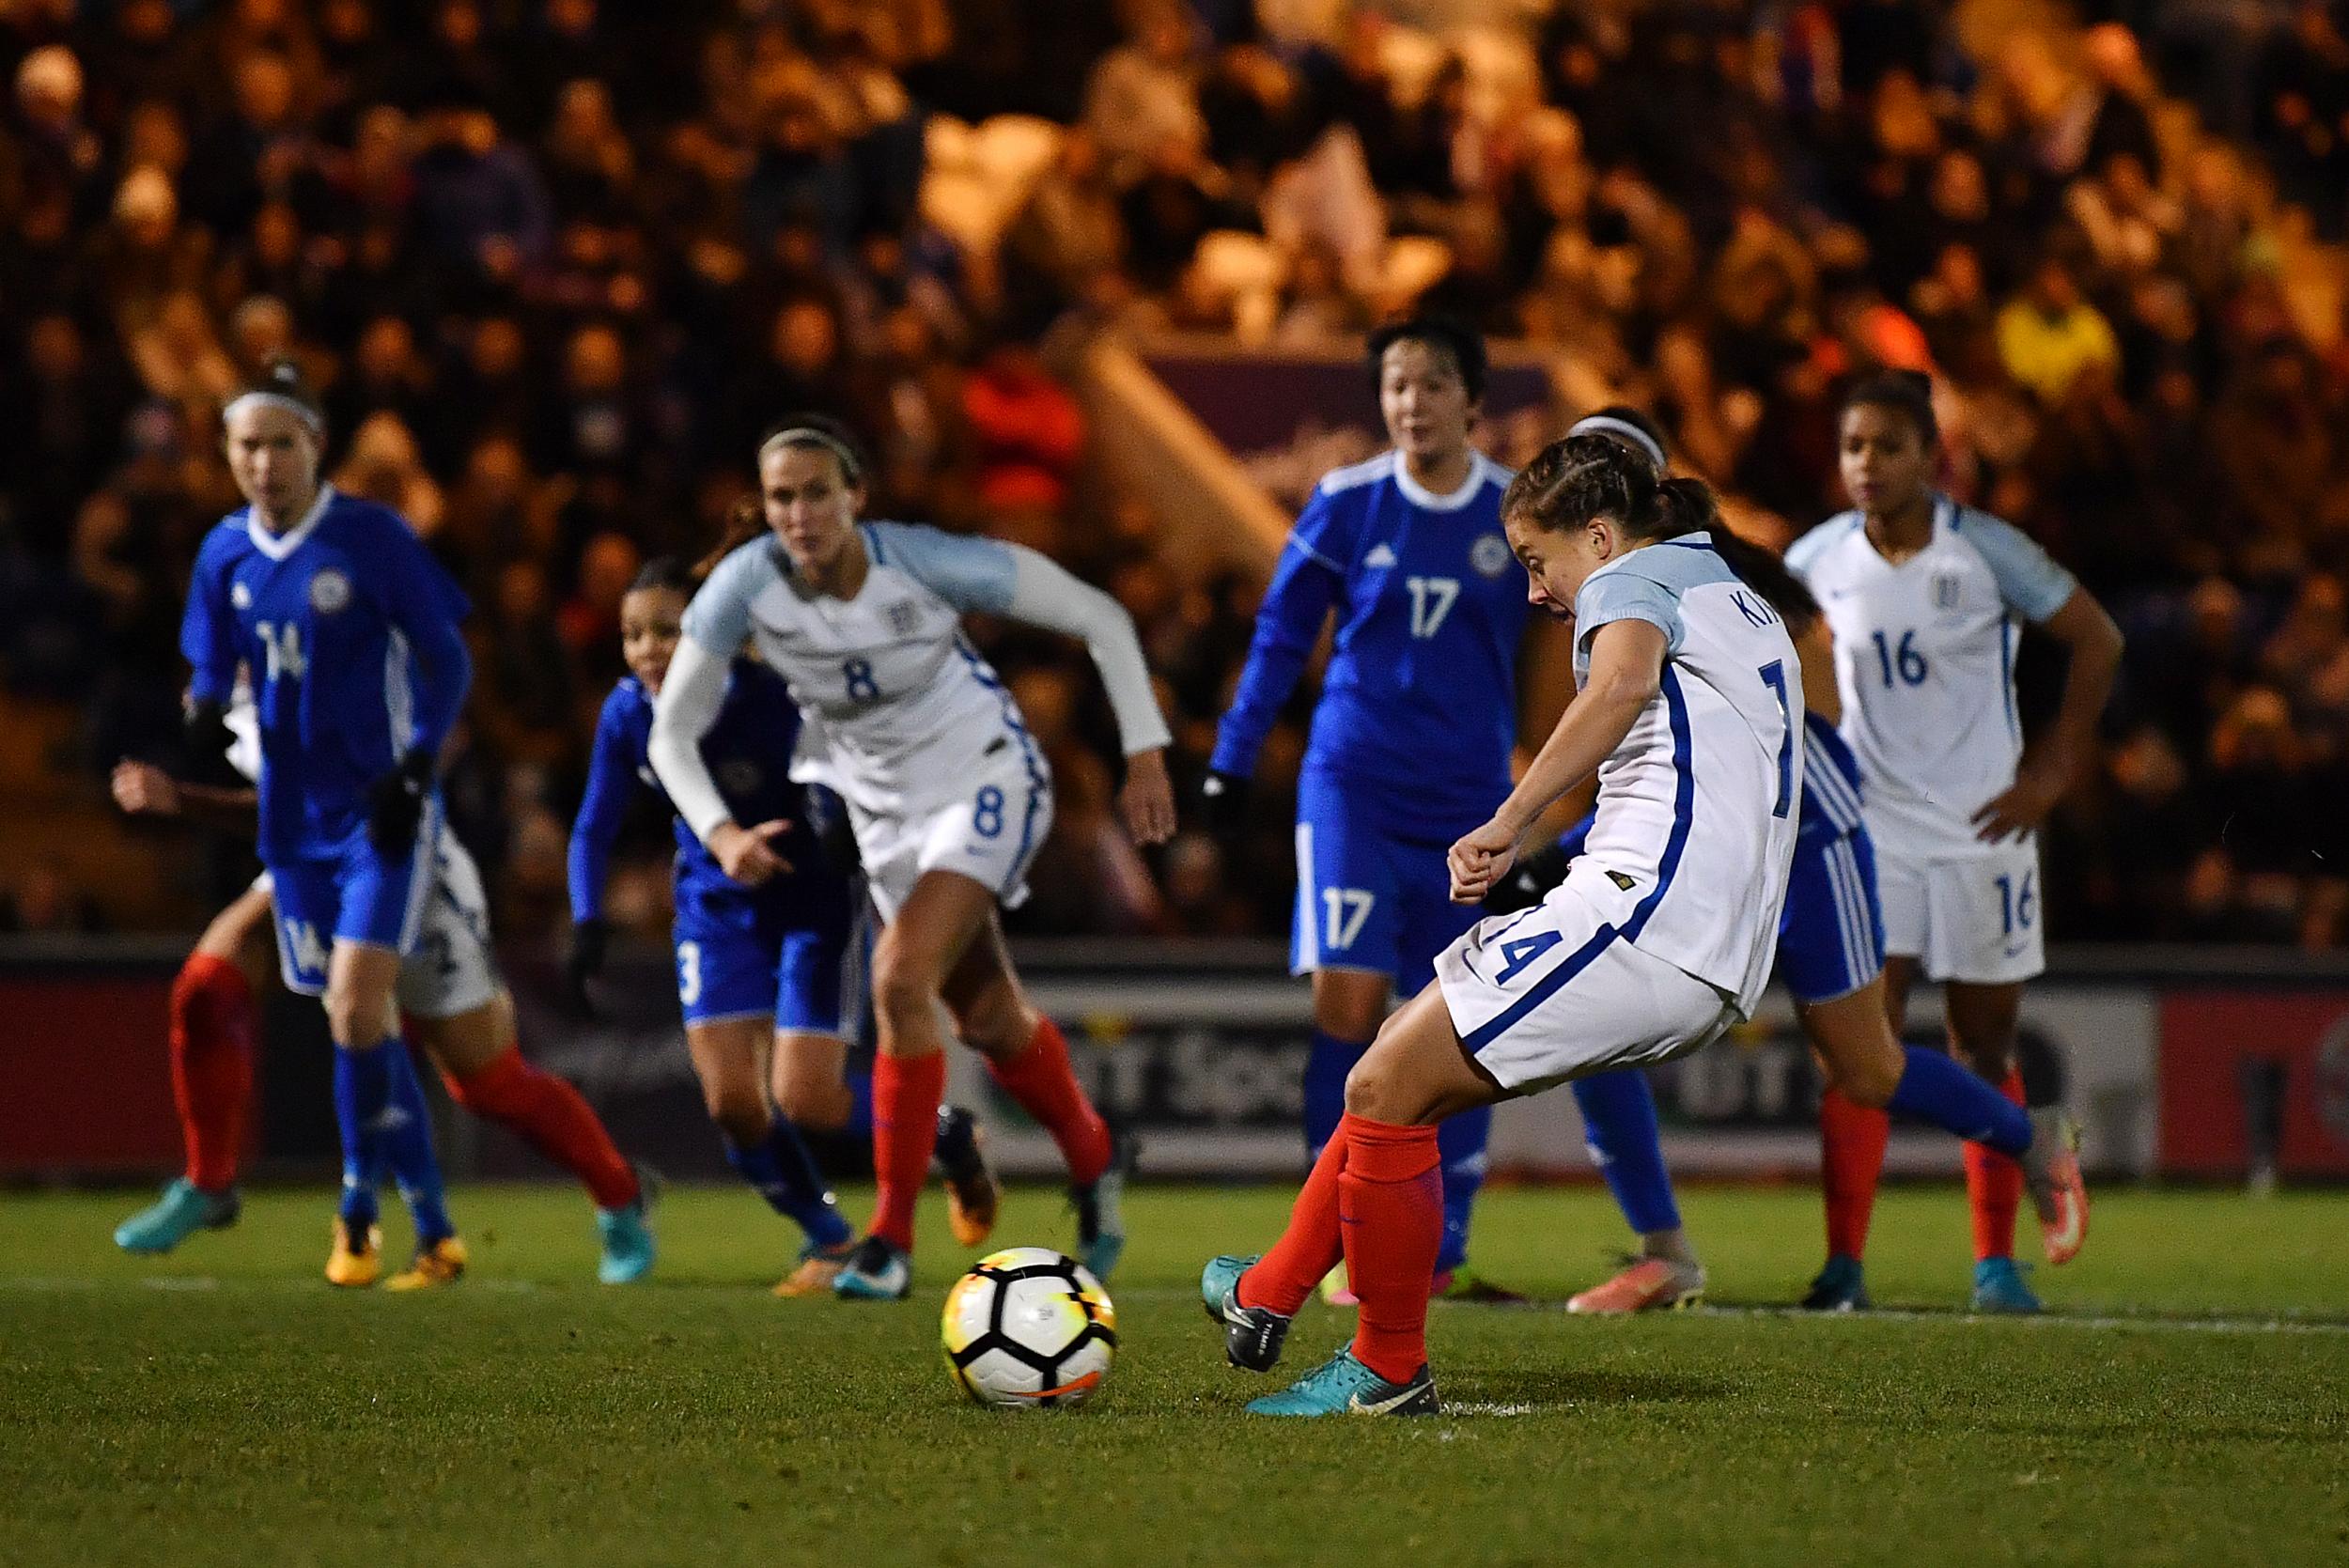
x=1976 y=919
x=988 y=827
x=1554 y=992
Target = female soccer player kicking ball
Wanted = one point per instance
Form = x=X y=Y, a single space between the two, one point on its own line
x=759 y=970
x=1658 y=940
x=1924 y=597
x=1411 y=740
x=455 y=1006
x=347 y=629
x=945 y=791
x=1829 y=958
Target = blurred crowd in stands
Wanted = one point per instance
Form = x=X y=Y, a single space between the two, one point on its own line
x=556 y=261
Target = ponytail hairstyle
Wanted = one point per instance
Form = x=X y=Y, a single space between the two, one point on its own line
x=1627 y=424
x=1600 y=474
x=748 y=519
x=1907 y=393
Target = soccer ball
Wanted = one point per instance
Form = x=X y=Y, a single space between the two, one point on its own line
x=1029 y=1328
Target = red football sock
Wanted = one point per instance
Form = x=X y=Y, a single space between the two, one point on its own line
x=1041 y=1081
x=211 y=1065
x=1851 y=1160
x=1993 y=1187
x=1309 y=1248
x=1390 y=1218
x=906 y=1092
x=552 y=1118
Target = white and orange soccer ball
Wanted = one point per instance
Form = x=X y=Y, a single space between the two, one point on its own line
x=1028 y=1328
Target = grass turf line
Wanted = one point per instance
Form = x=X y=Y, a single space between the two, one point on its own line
x=248 y=1417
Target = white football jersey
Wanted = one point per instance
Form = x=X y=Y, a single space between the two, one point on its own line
x=1924 y=657
x=899 y=708
x=1694 y=832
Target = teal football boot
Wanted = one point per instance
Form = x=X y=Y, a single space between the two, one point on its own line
x=1341 y=1386
x=184 y=1209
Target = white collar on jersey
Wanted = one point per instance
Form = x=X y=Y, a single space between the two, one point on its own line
x=1429 y=501
x=278 y=546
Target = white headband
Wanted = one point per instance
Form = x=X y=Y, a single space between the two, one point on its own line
x=275 y=400
x=1608 y=425
x=805 y=435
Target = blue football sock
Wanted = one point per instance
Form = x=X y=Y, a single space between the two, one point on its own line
x=363 y=1090
x=1619 y=1122
x=780 y=1166
x=1326 y=1067
x=860 y=1122
x=1460 y=1145
x=407 y=1147
x=1933 y=1088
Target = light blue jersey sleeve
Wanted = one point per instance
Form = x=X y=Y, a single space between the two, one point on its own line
x=1804 y=552
x=720 y=616
x=2030 y=581
x=1623 y=595
x=972 y=574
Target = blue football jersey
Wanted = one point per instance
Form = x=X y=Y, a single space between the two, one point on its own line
x=1418 y=712
x=347 y=630
x=749 y=752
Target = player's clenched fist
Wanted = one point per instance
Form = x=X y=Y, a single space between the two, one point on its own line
x=144 y=789
x=1480 y=859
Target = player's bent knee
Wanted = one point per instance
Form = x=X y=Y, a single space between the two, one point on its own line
x=1870 y=1082
x=742 y=1115
x=996 y=1022
x=356 y=1022
x=814 y=1100
x=905 y=983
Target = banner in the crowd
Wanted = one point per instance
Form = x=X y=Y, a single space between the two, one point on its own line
x=1289 y=417
x=2251 y=1078
x=1205 y=1065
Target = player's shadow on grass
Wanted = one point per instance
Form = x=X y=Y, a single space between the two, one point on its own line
x=1553 y=1386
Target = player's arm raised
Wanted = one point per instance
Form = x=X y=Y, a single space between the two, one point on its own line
x=1044 y=594
x=1626 y=670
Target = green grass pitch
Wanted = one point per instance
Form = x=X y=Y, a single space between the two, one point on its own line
x=2188 y=1406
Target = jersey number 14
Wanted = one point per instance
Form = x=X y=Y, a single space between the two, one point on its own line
x=281 y=650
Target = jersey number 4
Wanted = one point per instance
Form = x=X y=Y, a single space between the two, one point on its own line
x=1432 y=598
